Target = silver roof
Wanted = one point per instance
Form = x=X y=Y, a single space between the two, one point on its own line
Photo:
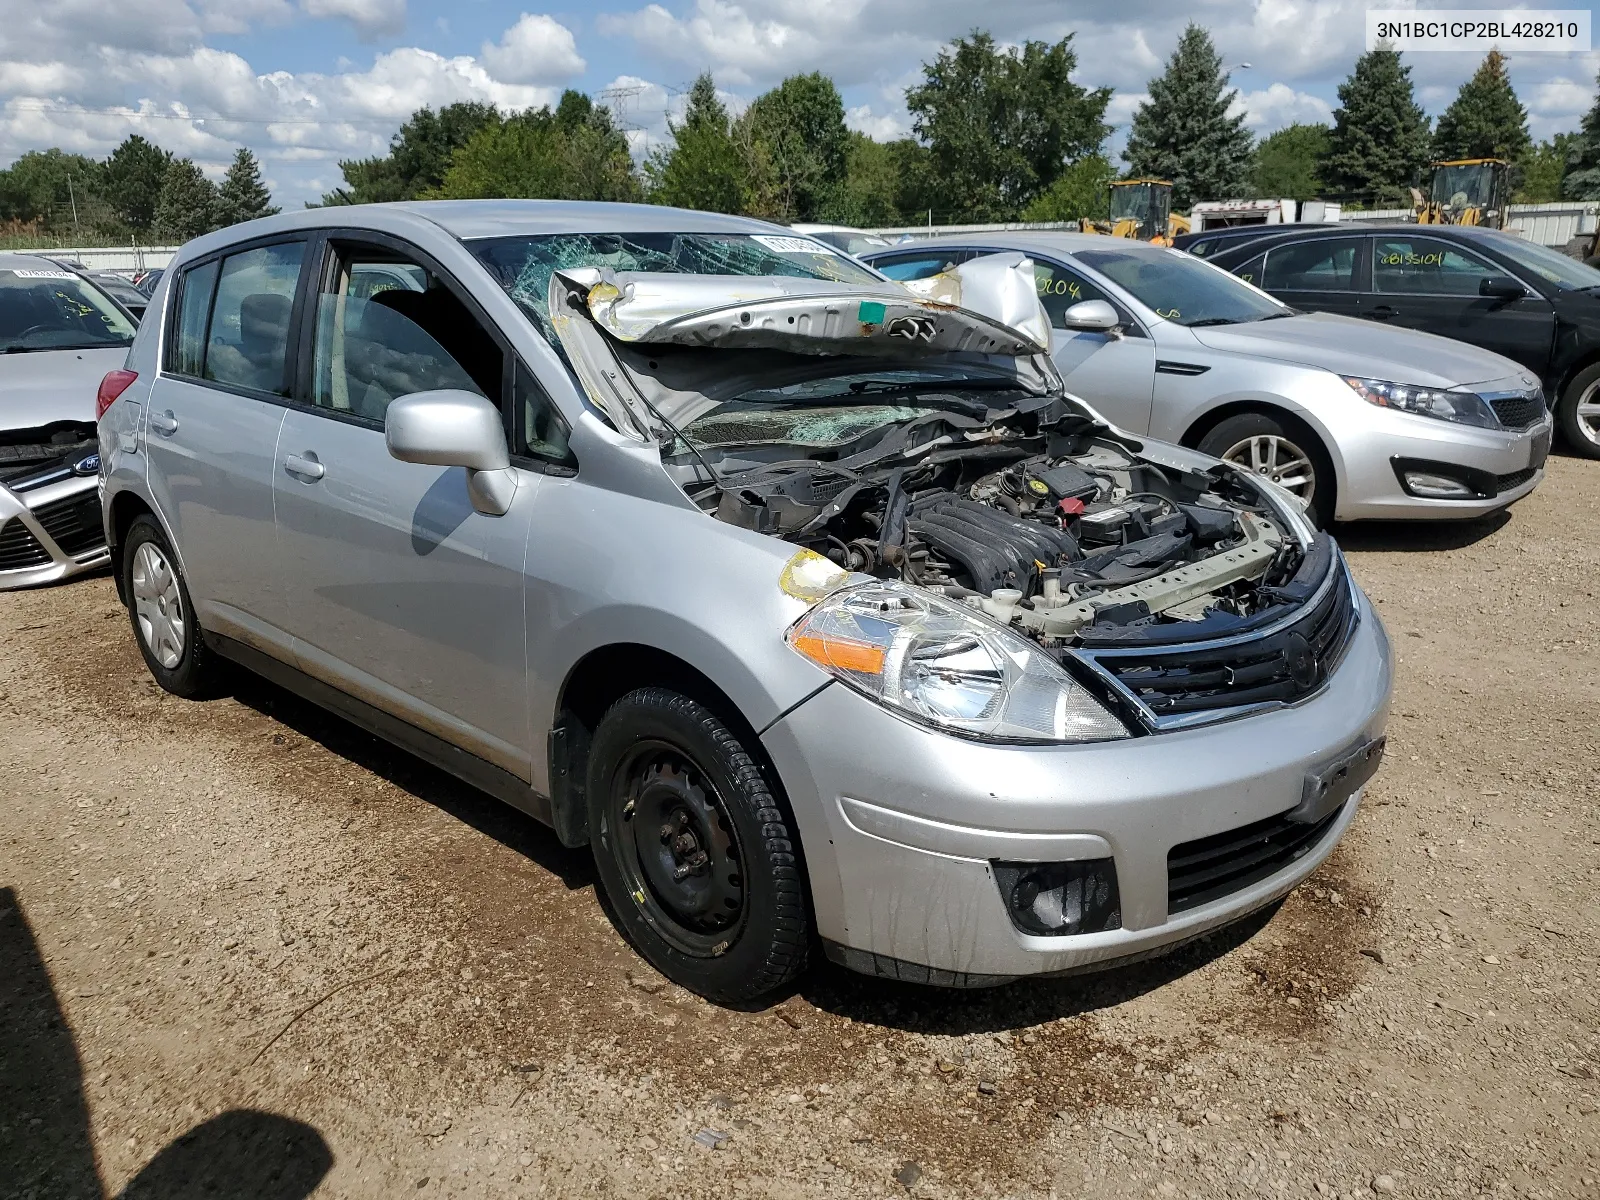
x=1029 y=242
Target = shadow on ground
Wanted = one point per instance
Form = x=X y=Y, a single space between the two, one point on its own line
x=46 y=1148
x=1419 y=536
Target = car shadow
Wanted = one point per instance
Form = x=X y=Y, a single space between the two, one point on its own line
x=1419 y=536
x=493 y=818
x=46 y=1143
x=1025 y=1003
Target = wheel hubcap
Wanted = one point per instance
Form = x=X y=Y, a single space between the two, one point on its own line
x=1278 y=459
x=158 y=605
x=680 y=854
x=1588 y=413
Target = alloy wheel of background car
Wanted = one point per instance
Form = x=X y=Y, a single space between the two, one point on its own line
x=162 y=615
x=157 y=604
x=694 y=849
x=1279 y=449
x=1578 y=413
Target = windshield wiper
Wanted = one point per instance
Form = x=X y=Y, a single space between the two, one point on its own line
x=1278 y=316
x=1212 y=321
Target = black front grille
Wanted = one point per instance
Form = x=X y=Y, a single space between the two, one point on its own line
x=1282 y=666
x=1518 y=412
x=19 y=548
x=1506 y=483
x=74 y=523
x=1208 y=868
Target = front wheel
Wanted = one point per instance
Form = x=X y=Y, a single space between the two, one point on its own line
x=1280 y=449
x=1578 y=412
x=694 y=850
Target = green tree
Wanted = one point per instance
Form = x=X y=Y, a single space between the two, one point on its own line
x=1002 y=124
x=574 y=153
x=243 y=196
x=1288 y=163
x=1081 y=193
x=800 y=128
x=870 y=192
x=45 y=186
x=1183 y=131
x=1379 y=143
x=705 y=167
x=135 y=174
x=186 y=206
x=1541 y=170
x=419 y=155
x=1485 y=120
x=1582 y=178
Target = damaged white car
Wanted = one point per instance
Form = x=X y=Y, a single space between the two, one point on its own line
x=817 y=608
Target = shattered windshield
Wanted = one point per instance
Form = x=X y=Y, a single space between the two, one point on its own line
x=523 y=265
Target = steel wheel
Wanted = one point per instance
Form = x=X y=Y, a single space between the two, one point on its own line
x=1586 y=414
x=1278 y=459
x=158 y=605
x=679 y=852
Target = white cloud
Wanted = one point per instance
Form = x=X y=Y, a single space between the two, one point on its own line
x=371 y=18
x=1280 y=105
x=882 y=127
x=537 y=49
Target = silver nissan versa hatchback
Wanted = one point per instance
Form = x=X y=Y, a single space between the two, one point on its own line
x=817 y=608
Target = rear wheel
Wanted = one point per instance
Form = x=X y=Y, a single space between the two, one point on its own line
x=1578 y=412
x=162 y=615
x=1280 y=449
x=694 y=850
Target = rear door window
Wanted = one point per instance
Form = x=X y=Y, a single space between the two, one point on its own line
x=248 y=343
x=1419 y=266
x=186 y=353
x=1324 y=265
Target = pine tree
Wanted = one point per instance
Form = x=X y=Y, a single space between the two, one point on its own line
x=703 y=168
x=187 y=206
x=1379 y=144
x=1183 y=131
x=243 y=197
x=1485 y=120
x=135 y=174
x=1582 y=178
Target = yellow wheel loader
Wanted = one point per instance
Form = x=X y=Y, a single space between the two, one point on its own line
x=1467 y=191
x=1141 y=209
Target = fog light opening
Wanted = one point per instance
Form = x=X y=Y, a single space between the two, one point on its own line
x=1438 y=487
x=1057 y=899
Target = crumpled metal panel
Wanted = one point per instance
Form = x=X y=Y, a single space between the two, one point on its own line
x=1000 y=286
x=805 y=316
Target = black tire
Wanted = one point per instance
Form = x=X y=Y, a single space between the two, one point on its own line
x=196 y=673
x=1230 y=433
x=1581 y=438
x=672 y=789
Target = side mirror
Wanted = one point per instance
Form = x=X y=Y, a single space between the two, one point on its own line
x=1501 y=287
x=1092 y=316
x=452 y=428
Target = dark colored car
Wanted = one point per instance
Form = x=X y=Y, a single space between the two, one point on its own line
x=1212 y=242
x=1534 y=305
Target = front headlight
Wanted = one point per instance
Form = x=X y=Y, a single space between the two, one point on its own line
x=943 y=664
x=1466 y=408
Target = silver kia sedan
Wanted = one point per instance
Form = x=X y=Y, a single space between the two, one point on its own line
x=820 y=611
x=1360 y=421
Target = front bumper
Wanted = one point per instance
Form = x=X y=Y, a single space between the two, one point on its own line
x=901 y=824
x=1504 y=464
x=51 y=533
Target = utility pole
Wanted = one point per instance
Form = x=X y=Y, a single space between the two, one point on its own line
x=72 y=198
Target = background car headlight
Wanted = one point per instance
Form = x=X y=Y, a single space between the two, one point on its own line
x=947 y=666
x=1466 y=408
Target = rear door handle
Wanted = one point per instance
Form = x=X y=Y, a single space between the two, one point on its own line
x=304 y=465
x=164 y=423
x=1383 y=312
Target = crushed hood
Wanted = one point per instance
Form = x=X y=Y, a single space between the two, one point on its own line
x=607 y=319
x=43 y=387
x=1349 y=346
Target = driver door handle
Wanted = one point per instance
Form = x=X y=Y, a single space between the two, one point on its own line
x=1383 y=312
x=164 y=423
x=305 y=466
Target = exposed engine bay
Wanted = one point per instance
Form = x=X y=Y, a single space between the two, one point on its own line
x=1044 y=518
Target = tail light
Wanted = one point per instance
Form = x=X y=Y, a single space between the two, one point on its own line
x=113 y=385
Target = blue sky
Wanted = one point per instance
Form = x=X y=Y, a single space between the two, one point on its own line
x=307 y=82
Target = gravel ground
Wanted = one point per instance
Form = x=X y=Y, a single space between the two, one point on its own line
x=246 y=947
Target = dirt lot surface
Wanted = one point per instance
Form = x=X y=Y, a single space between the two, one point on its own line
x=246 y=948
